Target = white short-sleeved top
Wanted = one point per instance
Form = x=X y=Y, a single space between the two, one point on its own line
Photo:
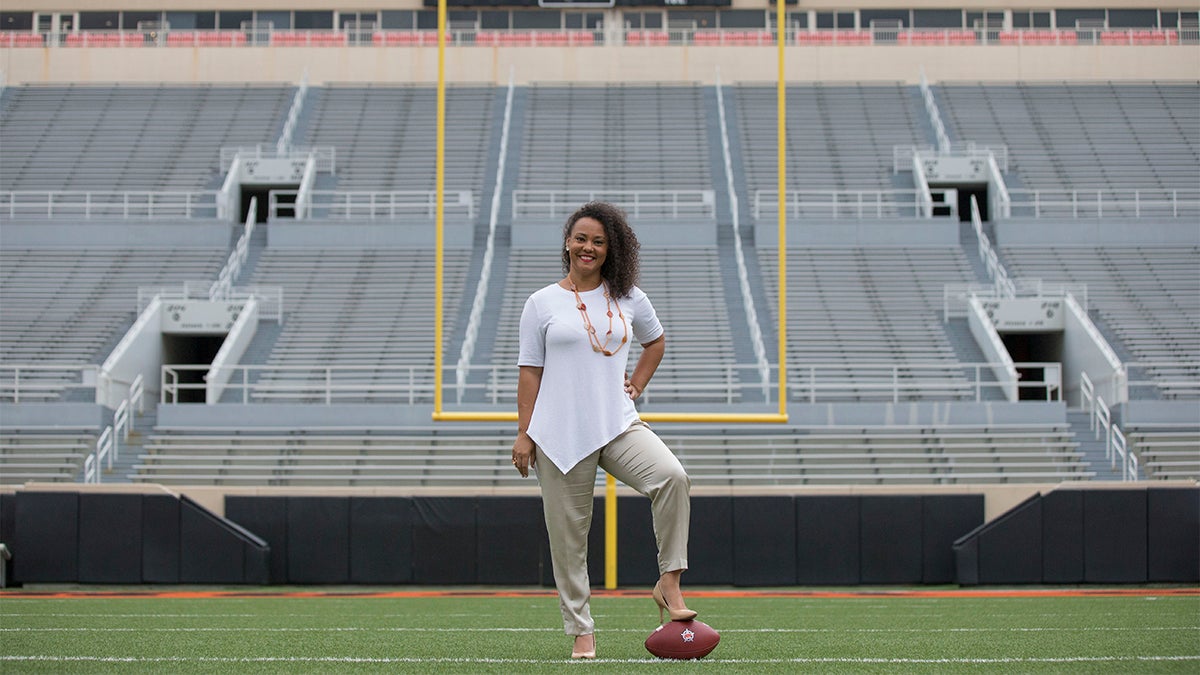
x=582 y=404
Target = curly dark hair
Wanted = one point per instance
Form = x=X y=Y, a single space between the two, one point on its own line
x=621 y=264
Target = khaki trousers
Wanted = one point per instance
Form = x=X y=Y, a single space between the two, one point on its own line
x=642 y=461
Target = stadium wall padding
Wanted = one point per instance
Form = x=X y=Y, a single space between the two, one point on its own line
x=128 y=538
x=744 y=541
x=1129 y=535
x=1134 y=535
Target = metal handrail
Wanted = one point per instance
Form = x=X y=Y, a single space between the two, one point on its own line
x=1108 y=202
x=672 y=204
x=851 y=204
x=756 y=338
x=378 y=204
x=22 y=382
x=221 y=288
x=485 y=273
x=413 y=384
x=90 y=204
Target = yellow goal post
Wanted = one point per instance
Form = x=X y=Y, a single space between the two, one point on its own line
x=441 y=415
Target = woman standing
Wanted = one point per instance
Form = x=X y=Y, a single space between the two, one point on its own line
x=576 y=412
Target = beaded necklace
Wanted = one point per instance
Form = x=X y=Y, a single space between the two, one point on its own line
x=609 y=301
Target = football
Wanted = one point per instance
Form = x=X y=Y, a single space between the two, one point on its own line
x=682 y=640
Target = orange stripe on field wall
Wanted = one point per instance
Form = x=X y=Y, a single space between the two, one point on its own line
x=846 y=594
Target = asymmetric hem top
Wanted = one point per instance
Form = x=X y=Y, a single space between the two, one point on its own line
x=582 y=404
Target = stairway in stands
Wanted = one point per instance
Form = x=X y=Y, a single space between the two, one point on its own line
x=129 y=449
x=1093 y=450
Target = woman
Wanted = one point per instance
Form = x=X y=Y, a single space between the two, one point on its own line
x=576 y=411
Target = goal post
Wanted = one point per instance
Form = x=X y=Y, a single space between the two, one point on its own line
x=441 y=415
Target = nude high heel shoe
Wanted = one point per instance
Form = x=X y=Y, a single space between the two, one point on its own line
x=588 y=654
x=684 y=614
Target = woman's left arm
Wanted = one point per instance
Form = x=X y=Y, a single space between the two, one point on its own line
x=652 y=355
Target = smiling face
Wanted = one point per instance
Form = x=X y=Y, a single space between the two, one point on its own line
x=587 y=248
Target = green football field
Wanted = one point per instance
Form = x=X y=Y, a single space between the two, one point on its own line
x=484 y=631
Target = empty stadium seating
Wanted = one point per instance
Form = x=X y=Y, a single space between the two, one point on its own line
x=65 y=306
x=119 y=138
x=855 y=307
x=1167 y=451
x=44 y=455
x=1148 y=296
x=865 y=322
x=840 y=137
x=689 y=300
x=1084 y=137
x=358 y=310
x=384 y=136
x=439 y=457
x=628 y=137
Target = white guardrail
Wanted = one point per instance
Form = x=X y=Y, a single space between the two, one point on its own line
x=671 y=204
x=1102 y=203
x=1116 y=448
x=376 y=204
x=843 y=204
x=814 y=383
x=108 y=446
x=31 y=382
x=97 y=204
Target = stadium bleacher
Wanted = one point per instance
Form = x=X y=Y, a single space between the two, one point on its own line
x=859 y=314
x=840 y=136
x=384 y=136
x=359 y=310
x=130 y=138
x=850 y=307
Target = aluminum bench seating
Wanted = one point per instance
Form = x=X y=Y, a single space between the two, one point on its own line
x=991 y=453
x=846 y=133
x=655 y=138
x=114 y=138
x=1065 y=136
x=1167 y=450
x=384 y=135
x=33 y=454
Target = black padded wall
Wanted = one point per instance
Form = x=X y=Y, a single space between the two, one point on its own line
x=318 y=540
x=110 y=538
x=945 y=518
x=710 y=541
x=637 y=548
x=764 y=541
x=1114 y=536
x=266 y=517
x=890 y=540
x=8 y=519
x=827 y=540
x=216 y=550
x=595 y=545
x=1173 y=534
x=381 y=540
x=1103 y=536
x=512 y=540
x=444 y=540
x=160 y=539
x=46 y=537
x=8 y=516
x=1010 y=547
x=1062 y=537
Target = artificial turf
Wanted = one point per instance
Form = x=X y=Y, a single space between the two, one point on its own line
x=271 y=632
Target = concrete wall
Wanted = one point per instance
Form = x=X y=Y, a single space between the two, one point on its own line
x=601 y=64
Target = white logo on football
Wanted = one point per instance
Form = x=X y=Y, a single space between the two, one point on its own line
x=687 y=635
